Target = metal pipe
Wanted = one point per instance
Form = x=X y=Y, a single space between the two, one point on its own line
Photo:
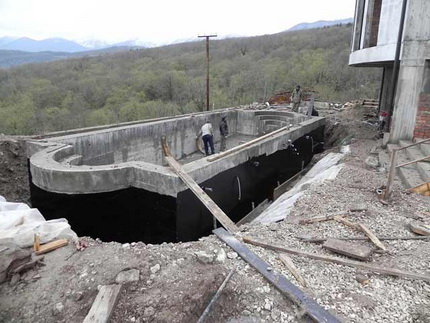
x=396 y=66
x=239 y=188
x=381 y=90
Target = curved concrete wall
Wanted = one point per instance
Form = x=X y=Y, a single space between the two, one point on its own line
x=130 y=156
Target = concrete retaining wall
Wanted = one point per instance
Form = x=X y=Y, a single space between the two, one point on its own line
x=131 y=156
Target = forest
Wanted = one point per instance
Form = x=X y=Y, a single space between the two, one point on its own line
x=155 y=82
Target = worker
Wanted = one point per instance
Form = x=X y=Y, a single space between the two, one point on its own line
x=296 y=98
x=207 y=134
x=223 y=130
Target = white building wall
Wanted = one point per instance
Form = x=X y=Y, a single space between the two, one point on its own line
x=389 y=22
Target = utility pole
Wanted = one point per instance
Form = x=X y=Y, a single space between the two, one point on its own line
x=207 y=67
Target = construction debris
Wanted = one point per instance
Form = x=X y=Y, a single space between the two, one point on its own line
x=319 y=240
x=104 y=304
x=348 y=249
x=363 y=228
x=308 y=305
x=362 y=279
x=351 y=263
x=48 y=247
x=288 y=262
x=179 y=286
x=419 y=229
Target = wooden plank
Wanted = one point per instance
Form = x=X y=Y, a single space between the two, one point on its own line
x=281 y=189
x=254 y=213
x=346 y=222
x=249 y=143
x=371 y=236
x=340 y=261
x=419 y=229
x=216 y=296
x=319 y=240
x=47 y=247
x=202 y=196
x=288 y=262
x=36 y=245
x=318 y=219
x=311 y=307
x=104 y=304
x=348 y=249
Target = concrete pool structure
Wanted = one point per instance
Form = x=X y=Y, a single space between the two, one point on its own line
x=90 y=168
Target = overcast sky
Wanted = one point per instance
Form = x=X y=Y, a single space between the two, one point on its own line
x=160 y=21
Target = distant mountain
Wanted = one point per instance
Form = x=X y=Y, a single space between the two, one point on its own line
x=320 y=24
x=5 y=40
x=135 y=43
x=9 y=58
x=50 y=44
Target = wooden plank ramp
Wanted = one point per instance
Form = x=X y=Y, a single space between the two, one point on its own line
x=295 y=294
x=104 y=304
x=198 y=191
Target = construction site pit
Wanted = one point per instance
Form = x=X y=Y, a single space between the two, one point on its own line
x=113 y=182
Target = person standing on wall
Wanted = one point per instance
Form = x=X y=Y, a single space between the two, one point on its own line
x=223 y=129
x=296 y=98
x=207 y=134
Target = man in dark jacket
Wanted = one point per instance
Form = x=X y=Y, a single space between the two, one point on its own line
x=223 y=129
x=296 y=98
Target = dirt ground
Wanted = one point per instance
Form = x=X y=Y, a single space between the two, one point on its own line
x=177 y=281
x=14 y=185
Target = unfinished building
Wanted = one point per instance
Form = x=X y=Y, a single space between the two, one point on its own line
x=395 y=35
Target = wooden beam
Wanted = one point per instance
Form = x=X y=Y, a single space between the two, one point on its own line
x=281 y=189
x=317 y=219
x=371 y=236
x=104 y=304
x=202 y=196
x=288 y=262
x=322 y=239
x=348 y=249
x=361 y=227
x=197 y=190
x=249 y=143
x=36 y=245
x=419 y=229
x=346 y=222
x=311 y=307
x=351 y=263
x=47 y=247
x=254 y=213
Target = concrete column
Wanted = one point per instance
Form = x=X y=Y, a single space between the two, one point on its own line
x=409 y=87
x=412 y=74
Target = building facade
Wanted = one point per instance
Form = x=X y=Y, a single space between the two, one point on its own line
x=395 y=35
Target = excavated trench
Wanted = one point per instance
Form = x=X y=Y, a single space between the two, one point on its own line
x=137 y=213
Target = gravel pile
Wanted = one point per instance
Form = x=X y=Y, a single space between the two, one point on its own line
x=383 y=298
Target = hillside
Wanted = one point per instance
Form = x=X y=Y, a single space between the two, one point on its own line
x=321 y=24
x=50 y=44
x=155 y=82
